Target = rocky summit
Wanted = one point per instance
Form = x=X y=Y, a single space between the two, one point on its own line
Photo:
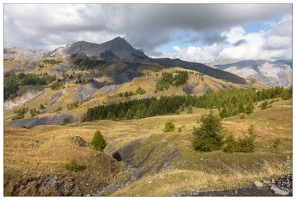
x=118 y=49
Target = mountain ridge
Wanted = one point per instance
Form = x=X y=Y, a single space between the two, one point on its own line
x=271 y=73
x=118 y=49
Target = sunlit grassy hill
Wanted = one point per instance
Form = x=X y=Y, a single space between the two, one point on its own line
x=94 y=93
x=166 y=163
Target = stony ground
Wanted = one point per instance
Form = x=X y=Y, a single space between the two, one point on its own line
x=279 y=187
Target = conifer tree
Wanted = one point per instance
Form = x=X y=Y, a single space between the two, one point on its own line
x=208 y=137
x=129 y=114
x=98 y=142
x=190 y=109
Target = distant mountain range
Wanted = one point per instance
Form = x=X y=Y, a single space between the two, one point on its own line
x=24 y=54
x=274 y=73
x=119 y=50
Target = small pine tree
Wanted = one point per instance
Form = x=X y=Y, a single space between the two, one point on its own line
x=208 y=137
x=129 y=114
x=275 y=148
x=169 y=126
x=264 y=105
x=250 y=107
x=223 y=112
x=231 y=145
x=190 y=109
x=41 y=106
x=247 y=144
x=98 y=142
x=72 y=165
x=121 y=114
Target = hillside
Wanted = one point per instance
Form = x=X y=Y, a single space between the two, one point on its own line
x=93 y=93
x=153 y=163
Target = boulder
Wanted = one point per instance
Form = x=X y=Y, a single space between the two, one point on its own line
x=258 y=184
x=279 y=191
x=81 y=142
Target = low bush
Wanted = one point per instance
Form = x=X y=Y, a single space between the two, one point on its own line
x=72 y=165
x=169 y=126
x=244 y=145
x=66 y=121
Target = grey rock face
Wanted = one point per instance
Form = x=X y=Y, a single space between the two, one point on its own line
x=277 y=73
x=117 y=48
x=56 y=119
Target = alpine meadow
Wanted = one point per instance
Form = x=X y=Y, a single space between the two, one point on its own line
x=108 y=119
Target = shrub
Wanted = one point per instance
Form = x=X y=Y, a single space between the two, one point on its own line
x=140 y=91
x=72 y=165
x=98 y=142
x=58 y=109
x=208 y=137
x=190 y=109
x=275 y=148
x=245 y=144
x=66 y=121
x=56 y=86
x=242 y=116
x=264 y=105
x=231 y=145
x=41 y=106
x=169 y=126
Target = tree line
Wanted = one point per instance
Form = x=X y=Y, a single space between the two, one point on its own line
x=229 y=102
x=13 y=81
x=51 y=61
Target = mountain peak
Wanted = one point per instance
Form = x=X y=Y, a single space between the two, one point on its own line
x=117 y=44
x=117 y=48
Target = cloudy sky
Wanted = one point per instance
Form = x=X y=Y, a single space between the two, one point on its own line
x=192 y=32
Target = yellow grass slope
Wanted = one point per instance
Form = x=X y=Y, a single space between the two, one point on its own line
x=187 y=172
x=108 y=95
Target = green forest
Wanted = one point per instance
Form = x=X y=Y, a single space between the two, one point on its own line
x=13 y=81
x=169 y=78
x=229 y=102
